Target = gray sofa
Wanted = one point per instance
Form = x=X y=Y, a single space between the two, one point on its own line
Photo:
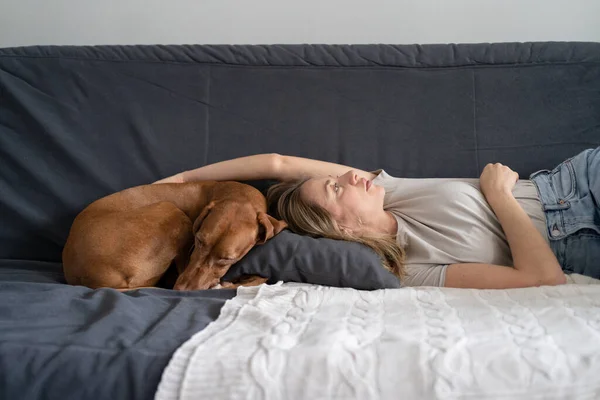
x=78 y=123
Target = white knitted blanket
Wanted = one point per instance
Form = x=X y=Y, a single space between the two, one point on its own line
x=300 y=341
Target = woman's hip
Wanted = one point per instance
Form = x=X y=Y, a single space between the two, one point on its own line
x=579 y=252
x=570 y=196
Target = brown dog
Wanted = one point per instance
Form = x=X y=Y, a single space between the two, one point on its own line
x=129 y=239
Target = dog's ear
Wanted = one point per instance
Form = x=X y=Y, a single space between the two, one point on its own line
x=202 y=216
x=268 y=227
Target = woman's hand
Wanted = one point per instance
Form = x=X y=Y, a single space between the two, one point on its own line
x=177 y=178
x=497 y=179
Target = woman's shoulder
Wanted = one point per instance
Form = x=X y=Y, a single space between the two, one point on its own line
x=420 y=186
x=382 y=174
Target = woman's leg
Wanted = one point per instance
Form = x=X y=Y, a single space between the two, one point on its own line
x=582 y=248
x=570 y=195
x=582 y=253
x=594 y=178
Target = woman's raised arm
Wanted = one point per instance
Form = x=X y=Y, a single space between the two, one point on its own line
x=264 y=166
x=291 y=168
x=259 y=166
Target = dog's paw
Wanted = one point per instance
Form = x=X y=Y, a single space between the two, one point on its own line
x=218 y=286
x=248 y=280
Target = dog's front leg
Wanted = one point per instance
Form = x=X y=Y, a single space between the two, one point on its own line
x=246 y=280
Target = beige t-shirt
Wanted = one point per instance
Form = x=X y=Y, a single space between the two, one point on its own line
x=444 y=221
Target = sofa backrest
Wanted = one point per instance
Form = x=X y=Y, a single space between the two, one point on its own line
x=78 y=123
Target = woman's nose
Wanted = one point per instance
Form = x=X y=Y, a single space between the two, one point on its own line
x=352 y=177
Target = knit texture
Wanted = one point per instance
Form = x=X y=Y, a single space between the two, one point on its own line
x=301 y=341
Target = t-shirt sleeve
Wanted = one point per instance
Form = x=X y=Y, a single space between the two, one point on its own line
x=425 y=275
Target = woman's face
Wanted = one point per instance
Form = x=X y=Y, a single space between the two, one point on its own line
x=346 y=197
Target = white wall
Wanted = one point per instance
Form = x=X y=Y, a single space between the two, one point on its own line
x=31 y=22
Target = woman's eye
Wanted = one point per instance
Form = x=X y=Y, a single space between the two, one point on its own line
x=336 y=187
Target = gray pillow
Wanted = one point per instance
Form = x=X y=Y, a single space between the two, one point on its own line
x=290 y=257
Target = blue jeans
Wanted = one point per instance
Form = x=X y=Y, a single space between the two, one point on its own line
x=570 y=197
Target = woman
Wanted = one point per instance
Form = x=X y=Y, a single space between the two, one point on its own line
x=494 y=232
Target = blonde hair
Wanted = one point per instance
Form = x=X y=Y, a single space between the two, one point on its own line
x=305 y=218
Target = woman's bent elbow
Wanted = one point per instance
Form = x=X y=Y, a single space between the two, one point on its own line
x=554 y=280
